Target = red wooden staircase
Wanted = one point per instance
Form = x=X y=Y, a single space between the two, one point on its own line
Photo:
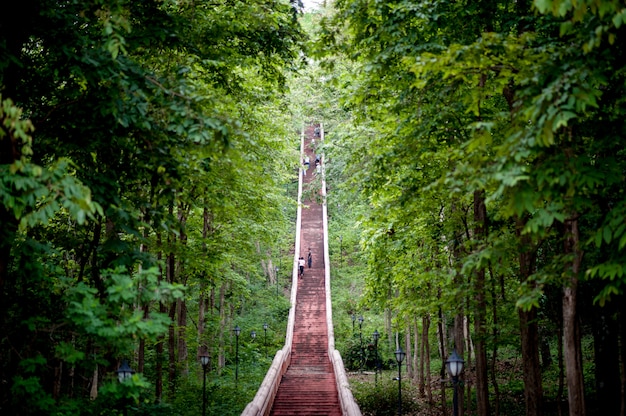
x=303 y=380
x=308 y=387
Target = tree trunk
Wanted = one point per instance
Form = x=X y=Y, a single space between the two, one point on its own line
x=561 y=388
x=416 y=350
x=171 y=350
x=443 y=354
x=183 y=354
x=171 y=339
x=529 y=331
x=459 y=346
x=426 y=354
x=606 y=349
x=202 y=344
x=141 y=351
x=480 y=313
x=220 y=338
x=409 y=352
x=622 y=353
x=469 y=348
x=421 y=381
x=494 y=335
x=158 y=383
x=571 y=328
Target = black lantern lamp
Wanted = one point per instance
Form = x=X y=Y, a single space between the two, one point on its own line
x=454 y=367
x=376 y=336
x=237 y=332
x=205 y=360
x=124 y=372
x=362 y=357
x=399 y=358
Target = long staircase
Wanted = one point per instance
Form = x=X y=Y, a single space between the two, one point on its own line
x=309 y=386
x=307 y=377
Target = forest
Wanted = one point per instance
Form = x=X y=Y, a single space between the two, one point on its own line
x=149 y=153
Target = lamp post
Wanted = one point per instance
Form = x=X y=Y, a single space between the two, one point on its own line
x=124 y=372
x=353 y=319
x=205 y=360
x=237 y=331
x=376 y=335
x=454 y=366
x=399 y=358
x=361 y=342
x=265 y=338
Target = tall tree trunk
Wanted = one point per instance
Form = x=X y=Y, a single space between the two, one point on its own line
x=141 y=351
x=171 y=338
x=426 y=357
x=158 y=383
x=621 y=301
x=459 y=346
x=416 y=350
x=202 y=344
x=202 y=301
x=561 y=387
x=421 y=381
x=220 y=338
x=494 y=335
x=443 y=354
x=480 y=314
x=469 y=348
x=171 y=350
x=181 y=308
x=606 y=349
x=571 y=328
x=529 y=331
x=409 y=352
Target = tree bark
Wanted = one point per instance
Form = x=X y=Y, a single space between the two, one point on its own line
x=426 y=357
x=480 y=313
x=421 y=380
x=571 y=329
x=459 y=346
x=529 y=331
x=183 y=354
x=606 y=349
x=443 y=354
x=158 y=383
x=409 y=352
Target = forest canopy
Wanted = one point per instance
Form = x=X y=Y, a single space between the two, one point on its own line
x=486 y=142
x=145 y=152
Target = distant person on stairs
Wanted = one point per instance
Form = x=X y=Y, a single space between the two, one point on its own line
x=309 y=258
x=301 y=265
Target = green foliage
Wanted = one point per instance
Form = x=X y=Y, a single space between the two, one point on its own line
x=382 y=399
x=112 y=320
